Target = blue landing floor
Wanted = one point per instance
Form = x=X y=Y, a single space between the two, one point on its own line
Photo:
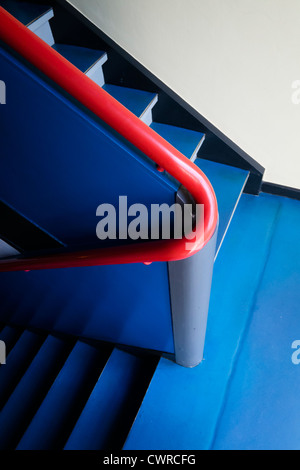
x=245 y=394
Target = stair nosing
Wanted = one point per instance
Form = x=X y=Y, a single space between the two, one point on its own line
x=150 y=105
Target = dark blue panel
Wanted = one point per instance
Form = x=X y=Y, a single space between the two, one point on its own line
x=182 y=406
x=23 y=11
x=127 y=304
x=184 y=140
x=82 y=57
x=57 y=164
x=30 y=391
x=55 y=414
x=262 y=407
x=107 y=400
x=228 y=184
x=17 y=363
x=136 y=101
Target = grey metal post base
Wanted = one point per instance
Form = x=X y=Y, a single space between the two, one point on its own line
x=190 y=285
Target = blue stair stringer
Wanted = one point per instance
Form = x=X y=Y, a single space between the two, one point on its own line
x=186 y=141
x=30 y=391
x=88 y=177
x=70 y=217
x=244 y=393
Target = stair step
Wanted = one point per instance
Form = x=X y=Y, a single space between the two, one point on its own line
x=89 y=61
x=138 y=102
x=188 y=142
x=65 y=400
x=103 y=415
x=35 y=16
x=17 y=362
x=10 y=336
x=26 y=13
x=228 y=183
x=261 y=410
x=30 y=391
x=192 y=399
x=81 y=57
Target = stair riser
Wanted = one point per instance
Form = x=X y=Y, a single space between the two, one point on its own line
x=190 y=284
x=42 y=29
x=96 y=72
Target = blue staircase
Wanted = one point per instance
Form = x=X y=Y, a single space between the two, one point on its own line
x=72 y=379
x=54 y=385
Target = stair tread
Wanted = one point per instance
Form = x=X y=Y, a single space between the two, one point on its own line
x=107 y=400
x=137 y=101
x=25 y=12
x=186 y=141
x=30 y=391
x=228 y=183
x=63 y=400
x=83 y=58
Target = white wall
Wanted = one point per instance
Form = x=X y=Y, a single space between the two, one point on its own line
x=234 y=61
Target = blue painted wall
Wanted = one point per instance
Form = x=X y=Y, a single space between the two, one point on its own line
x=58 y=163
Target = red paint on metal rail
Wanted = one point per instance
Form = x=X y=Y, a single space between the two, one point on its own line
x=72 y=80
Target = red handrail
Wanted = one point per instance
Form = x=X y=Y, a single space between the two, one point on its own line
x=72 y=80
